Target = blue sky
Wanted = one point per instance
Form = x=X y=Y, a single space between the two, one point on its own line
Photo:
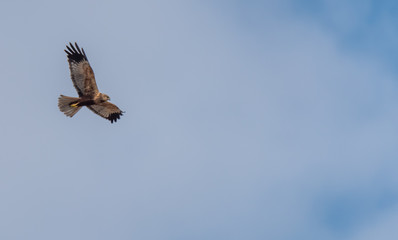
x=244 y=120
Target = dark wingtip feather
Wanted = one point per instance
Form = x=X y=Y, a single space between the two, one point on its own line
x=115 y=116
x=75 y=54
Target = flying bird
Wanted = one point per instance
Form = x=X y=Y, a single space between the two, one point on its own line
x=84 y=81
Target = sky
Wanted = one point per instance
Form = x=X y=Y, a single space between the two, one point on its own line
x=243 y=120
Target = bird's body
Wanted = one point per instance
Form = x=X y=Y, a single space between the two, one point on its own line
x=84 y=81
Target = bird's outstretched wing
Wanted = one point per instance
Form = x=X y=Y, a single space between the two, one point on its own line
x=81 y=72
x=107 y=110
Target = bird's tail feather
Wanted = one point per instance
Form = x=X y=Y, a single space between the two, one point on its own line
x=68 y=106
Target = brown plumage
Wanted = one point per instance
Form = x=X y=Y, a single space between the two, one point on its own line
x=84 y=81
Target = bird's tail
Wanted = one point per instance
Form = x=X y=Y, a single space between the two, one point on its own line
x=68 y=105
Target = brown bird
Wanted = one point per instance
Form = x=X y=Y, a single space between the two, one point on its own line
x=84 y=81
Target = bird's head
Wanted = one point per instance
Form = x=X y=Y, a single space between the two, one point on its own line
x=105 y=97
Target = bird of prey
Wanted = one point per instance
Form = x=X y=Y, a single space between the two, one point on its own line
x=84 y=81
